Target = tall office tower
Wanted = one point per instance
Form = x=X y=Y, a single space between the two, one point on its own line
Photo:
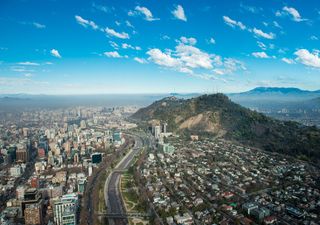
x=67 y=147
x=65 y=209
x=25 y=131
x=157 y=132
x=33 y=214
x=20 y=192
x=22 y=155
x=164 y=127
x=32 y=206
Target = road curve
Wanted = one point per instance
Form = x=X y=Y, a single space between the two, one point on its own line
x=113 y=199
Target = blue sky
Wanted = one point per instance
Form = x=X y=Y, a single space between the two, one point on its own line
x=90 y=47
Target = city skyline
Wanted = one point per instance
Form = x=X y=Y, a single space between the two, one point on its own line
x=100 y=47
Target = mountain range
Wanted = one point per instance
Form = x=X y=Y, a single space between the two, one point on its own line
x=274 y=95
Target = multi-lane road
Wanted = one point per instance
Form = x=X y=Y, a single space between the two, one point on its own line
x=113 y=199
x=86 y=214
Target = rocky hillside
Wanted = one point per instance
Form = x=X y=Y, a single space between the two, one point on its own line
x=216 y=115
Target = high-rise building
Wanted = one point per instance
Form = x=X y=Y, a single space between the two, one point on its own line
x=96 y=158
x=67 y=147
x=22 y=155
x=34 y=183
x=76 y=157
x=50 y=158
x=33 y=203
x=157 y=132
x=164 y=128
x=11 y=153
x=16 y=171
x=43 y=143
x=25 y=131
x=69 y=216
x=81 y=186
x=83 y=124
x=20 y=192
x=117 y=136
x=33 y=214
x=65 y=210
x=90 y=170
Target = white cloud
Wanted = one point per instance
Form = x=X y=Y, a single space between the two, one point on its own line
x=140 y=60
x=114 y=45
x=314 y=38
x=217 y=60
x=288 y=61
x=276 y=24
x=128 y=46
x=39 y=25
x=191 y=41
x=193 y=57
x=185 y=70
x=101 y=7
x=20 y=69
x=228 y=66
x=145 y=12
x=233 y=23
x=86 y=23
x=292 y=12
x=186 y=58
x=212 y=41
x=165 y=37
x=251 y=9
x=112 y=32
x=129 y=24
x=262 y=45
x=113 y=54
x=219 y=71
x=125 y=46
x=234 y=64
x=260 y=33
x=308 y=58
x=163 y=59
x=55 y=53
x=262 y=55
x=28 y=63
x=178 y=13
x=28 y=74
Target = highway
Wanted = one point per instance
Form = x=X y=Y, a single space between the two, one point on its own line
x=113 y=200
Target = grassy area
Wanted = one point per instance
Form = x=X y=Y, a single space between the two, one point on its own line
x=101 y=203
x=131 y=198
x=129 y=194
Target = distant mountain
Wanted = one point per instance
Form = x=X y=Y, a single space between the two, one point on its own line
x=9 y=98
x=216 y=115
x=274 y=94
x=279 y=90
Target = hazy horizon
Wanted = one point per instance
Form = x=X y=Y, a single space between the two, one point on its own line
x=150 y=93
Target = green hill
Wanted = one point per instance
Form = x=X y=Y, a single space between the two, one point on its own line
x=217 y=115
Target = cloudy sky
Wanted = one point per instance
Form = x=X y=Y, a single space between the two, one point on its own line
x=149 y=46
